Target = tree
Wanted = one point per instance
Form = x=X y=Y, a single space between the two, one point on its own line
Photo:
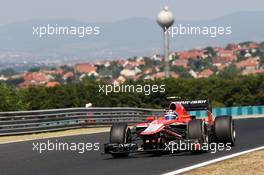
x=200 y=64
x=34 y=69
x=11 y=100
x=221 y=91
x=8 y=72
x=210 y=51
x=181 y=71
x=230 y=72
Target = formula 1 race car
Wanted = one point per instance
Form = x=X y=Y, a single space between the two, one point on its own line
x=177 y=125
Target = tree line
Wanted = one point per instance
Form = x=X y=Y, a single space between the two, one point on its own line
x=231 y=91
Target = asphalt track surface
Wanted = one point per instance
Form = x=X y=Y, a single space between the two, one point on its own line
x=18 y=158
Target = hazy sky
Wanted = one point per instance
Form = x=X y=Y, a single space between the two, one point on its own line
x=113 y=10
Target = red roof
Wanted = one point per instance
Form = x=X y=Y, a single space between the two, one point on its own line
x=248 y=72
x=221 y=66
x=234 y=47
x=225 y=53
x=33 y=79
x=221 y=60
x=250 y=62
x=148 y=71
x=217 y=49
x=52 y=84
x=161 y=75
x=205 y=73
x=68 y=75
x=180 y=62
x=252 y=46
x=191 y=54
x=85 y=68
x=37 y=77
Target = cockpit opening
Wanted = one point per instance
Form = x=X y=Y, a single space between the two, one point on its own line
x=173 y=106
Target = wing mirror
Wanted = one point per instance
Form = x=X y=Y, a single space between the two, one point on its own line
x=150 y=119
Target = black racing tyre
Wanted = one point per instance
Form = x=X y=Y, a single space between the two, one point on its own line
x=224 y=130
x=120 y=133
x=196 y=129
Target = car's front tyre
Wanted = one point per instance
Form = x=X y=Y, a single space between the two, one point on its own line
x=196 y=130
x=121 y=134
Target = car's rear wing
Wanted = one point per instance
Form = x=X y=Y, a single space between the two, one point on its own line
x=195 y=105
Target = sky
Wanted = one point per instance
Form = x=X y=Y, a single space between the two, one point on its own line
x=114 y=10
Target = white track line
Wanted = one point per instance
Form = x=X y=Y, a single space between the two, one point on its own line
x=212 y=161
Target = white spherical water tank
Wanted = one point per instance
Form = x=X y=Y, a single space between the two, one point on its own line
x=165 y=18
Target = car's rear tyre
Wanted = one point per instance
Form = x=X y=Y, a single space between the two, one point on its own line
x=196 y=130
x=224 y=130
x=120 y=133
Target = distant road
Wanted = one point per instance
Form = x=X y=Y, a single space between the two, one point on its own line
x=18 y=158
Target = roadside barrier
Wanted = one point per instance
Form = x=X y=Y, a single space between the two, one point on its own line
x=24 y=122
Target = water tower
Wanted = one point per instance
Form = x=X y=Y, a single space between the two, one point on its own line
x=165 y=19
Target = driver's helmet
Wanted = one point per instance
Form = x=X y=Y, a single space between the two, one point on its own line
x=170 y=115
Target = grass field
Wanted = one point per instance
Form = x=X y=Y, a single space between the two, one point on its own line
x=251 y=163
